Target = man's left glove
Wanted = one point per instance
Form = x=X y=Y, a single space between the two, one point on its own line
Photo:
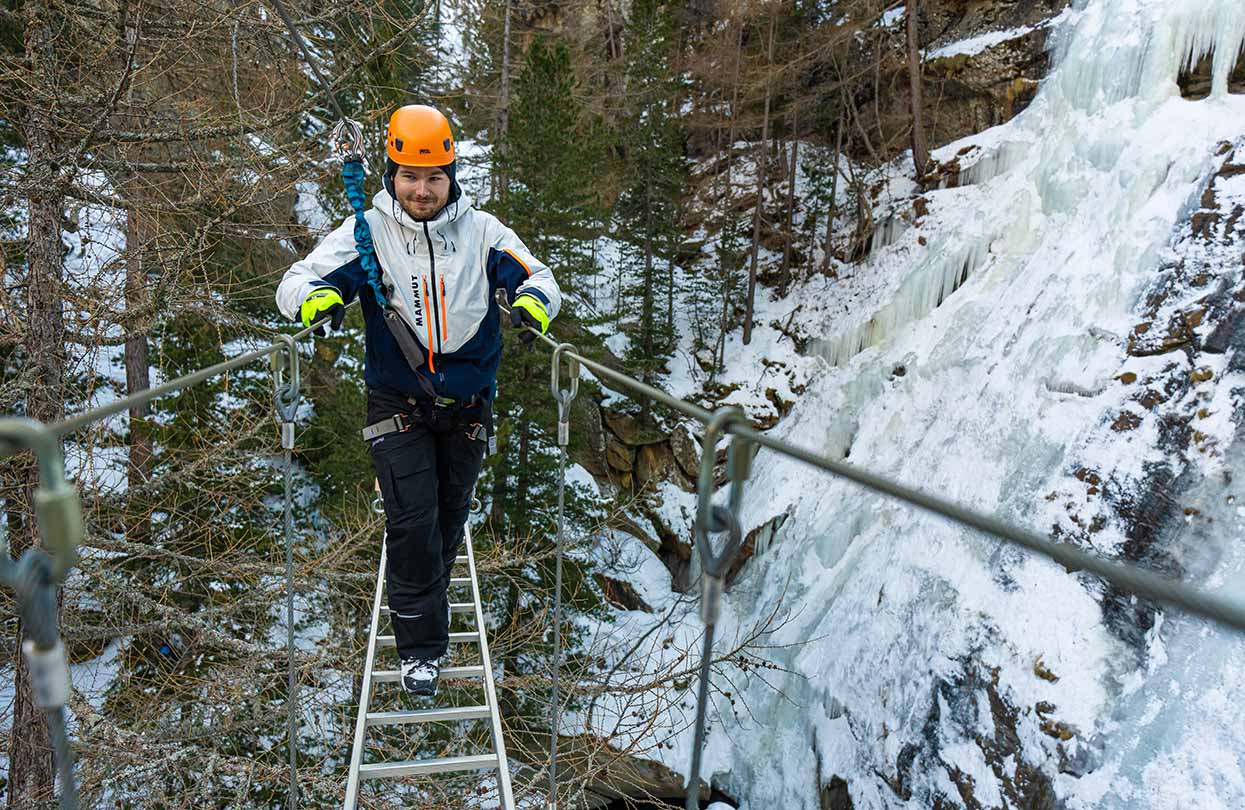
x=321 y=301
x=527 y=310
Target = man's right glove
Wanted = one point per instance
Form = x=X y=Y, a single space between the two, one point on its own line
x=323 y=300
x=527 y=310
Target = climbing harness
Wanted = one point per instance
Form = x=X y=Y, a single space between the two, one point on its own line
x=564 y=397
x=435 y=412
x=493 y=760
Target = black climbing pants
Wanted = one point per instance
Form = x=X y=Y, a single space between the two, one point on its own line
x=426 y=475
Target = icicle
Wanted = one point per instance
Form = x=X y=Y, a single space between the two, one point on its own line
x=887 y=233
x=920 y=293
x=1211 y=28
x=995 y=162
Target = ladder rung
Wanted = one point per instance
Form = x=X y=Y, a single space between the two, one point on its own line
x=447 y=674
x=393 y=770
x=461 y=559
x=427 y=716
x=455 y=607
x=455 y=638
x=460 y=581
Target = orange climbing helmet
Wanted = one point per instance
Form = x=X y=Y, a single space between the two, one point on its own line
x=419 y=136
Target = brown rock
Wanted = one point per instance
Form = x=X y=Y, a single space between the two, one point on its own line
x=654 y=463
x=619 y=455
x=630 y=431
x=620 y=594
x=686 y=451
x=586 y=423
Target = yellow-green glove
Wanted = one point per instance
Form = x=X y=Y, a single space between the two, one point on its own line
x=322 y=301
x=527 y=310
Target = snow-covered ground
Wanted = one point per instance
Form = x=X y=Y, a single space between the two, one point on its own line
x=983 y=354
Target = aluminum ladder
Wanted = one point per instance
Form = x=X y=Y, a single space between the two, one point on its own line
x=495 y=760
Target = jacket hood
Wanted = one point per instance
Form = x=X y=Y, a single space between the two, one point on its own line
x=389 y=208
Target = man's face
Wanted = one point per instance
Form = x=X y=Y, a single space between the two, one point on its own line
x=422 y=191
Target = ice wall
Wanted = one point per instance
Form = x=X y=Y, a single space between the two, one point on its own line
x=1104 y=59
x=928 y=664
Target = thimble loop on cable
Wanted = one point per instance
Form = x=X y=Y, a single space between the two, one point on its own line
x=718 y=519
x=564 y=397
x=347 y=140
x=57 y=505
x=285 y=388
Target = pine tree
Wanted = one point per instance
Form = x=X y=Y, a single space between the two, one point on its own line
x=552 y=160
x=654 y=173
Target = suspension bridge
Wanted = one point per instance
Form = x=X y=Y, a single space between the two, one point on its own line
x=38 y=575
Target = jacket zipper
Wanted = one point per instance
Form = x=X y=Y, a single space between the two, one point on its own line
x=445 y=315
x=436 y=312
x=428 y=324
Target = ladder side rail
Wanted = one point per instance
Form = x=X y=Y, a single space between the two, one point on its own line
x=365 y=690
x=490 y=691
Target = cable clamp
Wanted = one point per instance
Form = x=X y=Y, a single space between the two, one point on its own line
x=49 y=674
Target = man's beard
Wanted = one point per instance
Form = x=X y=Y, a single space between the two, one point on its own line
x=418 y=218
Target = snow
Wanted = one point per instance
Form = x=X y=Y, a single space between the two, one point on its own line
x=979 y=43
x=989 y=39
x=893 y=16
x=977 y=355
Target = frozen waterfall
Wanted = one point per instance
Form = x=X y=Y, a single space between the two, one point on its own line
x=945 y=667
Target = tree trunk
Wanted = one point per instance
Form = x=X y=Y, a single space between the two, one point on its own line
x=646 y=309
x=834 y=193
x=137 y=374
x=503 y=113
x=730 y=140
x=762 y=155
x=30 y=752
x=615 y=49
x=920 y=148
x=791 y=173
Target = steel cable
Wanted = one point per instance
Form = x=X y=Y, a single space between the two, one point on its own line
x=564 y=398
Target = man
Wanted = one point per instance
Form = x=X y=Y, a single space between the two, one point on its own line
x=433 y=344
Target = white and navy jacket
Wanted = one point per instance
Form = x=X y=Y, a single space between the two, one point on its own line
x=442 y=277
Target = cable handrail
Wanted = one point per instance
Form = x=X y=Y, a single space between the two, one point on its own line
x=37 y=576
x=78 y=421
x=1129 y=577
